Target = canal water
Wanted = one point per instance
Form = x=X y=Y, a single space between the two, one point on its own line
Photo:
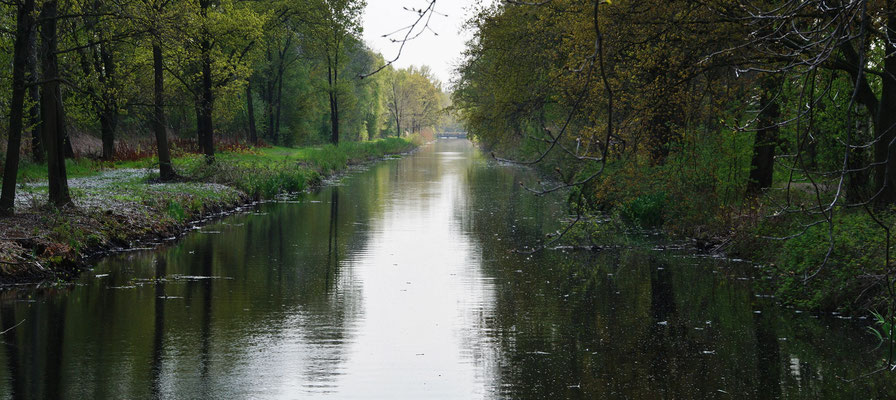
x=400 y=282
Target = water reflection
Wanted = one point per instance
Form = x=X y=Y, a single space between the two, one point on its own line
x=333 y=246
x=401 y=283
x=158 y=336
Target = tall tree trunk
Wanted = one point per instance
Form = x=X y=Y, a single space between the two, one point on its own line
x=206 y=98
x=277 y=97
x=24 y=28
x=663 y=117
x=51 y=108
x=278 y=103
x=269 y=112
x=96 y=62
x=762 y=166
x=200 y=130
x=107 y=133
x=395 y=107
x=332 y=78
x=166 y=170
x=860 y=177
x=206 y=106
x=335 y=120
x=267 y=95
x=250 y=109
x=38 y=153
x=885 y=147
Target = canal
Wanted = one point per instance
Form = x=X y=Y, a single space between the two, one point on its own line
x=400 y=281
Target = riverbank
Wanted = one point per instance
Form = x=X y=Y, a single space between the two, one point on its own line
x=835 y=261
x=121 y=205
x=405 y=271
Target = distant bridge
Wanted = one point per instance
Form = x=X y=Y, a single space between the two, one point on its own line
x=452 y=135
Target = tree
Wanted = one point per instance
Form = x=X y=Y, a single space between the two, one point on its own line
x=361 y=104
x=158 y=18
x=499 y=102
x=334 y=22
x=219 y=61
x=38 y=153
x=397 y=97
x=850 y=37
x=413 y=99
x=25 y=26
x=281 y=52
x=691 y=103
x=250 y=112
x=52 y=114
x=424 y=107
x=762 y=164
x=97 y=36
x=206 y=101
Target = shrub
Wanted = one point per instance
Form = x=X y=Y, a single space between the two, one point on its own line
x=645 y=211
x=856 y=257
x=176 y=211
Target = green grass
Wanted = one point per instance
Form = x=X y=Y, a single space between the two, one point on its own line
x=267 y=172
x=33 y=172
x=323 y=159
x=260 y=171
x=127 y=207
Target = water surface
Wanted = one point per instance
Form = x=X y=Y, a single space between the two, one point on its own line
x=400 y=282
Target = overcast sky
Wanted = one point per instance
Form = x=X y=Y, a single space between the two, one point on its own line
x=441 y=52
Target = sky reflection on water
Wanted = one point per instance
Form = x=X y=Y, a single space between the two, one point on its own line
x=400 y=283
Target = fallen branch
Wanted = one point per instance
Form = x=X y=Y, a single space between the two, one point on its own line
x=13 y=327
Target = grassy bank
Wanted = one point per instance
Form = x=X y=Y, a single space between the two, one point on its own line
x=116 y=205
x=834 y=261
x=808 y=261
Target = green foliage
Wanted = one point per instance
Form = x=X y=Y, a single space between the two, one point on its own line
x=261 y=173
x=64 y=233
x=883 y=330
x=176 y=211
x=34 y=172
x=641 y=101
x=412 y=100
x=645 y=211
x=268 y=172
x=857 y=250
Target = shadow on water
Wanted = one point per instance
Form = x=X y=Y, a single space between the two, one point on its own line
x=205 y=324
x=333 y=238
x=10 y=344
x=158 y=333
x=401 y=282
